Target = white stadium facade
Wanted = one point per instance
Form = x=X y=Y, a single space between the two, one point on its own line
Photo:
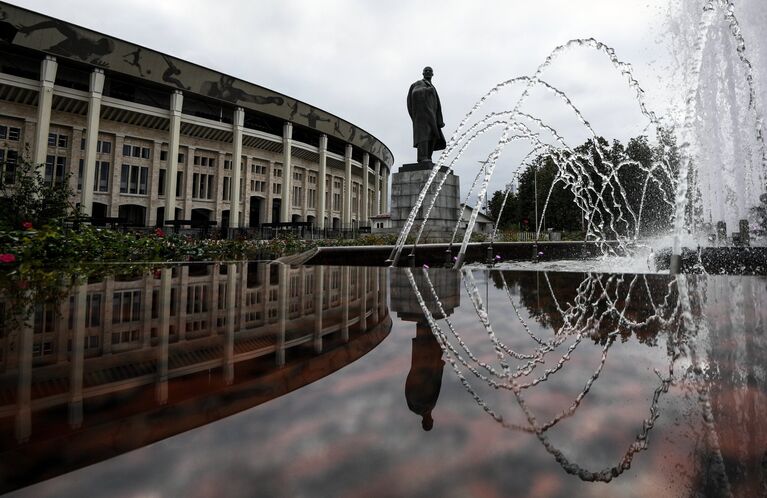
x=149 y=138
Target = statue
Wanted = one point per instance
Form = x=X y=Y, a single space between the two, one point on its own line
x=426 y=112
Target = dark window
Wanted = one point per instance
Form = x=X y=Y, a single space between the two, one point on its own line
x=161 y=183
x=80 y=169
x=14 y=133
x=126 y=150
x=124 y=174
x=101 y=177
x=54 y=169
x=163 y=155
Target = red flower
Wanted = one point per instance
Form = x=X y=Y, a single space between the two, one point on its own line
x=7 y=258
x=26 y=225
x=159 y=232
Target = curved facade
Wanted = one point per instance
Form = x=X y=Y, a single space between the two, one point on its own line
x=131 y=125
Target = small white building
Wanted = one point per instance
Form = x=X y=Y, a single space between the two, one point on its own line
x=484 y=223
x=380 y=223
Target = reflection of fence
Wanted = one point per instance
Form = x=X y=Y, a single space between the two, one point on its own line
x=203 y=229
x=530 y=236
x=302 y=230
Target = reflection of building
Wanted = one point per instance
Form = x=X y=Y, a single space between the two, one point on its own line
x=154 y=355
x=132 y=124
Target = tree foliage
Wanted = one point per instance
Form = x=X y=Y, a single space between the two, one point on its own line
x=27 y=198
x=628 y=188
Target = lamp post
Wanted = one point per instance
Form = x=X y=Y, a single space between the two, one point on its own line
x=484 y=173
x=535 y=187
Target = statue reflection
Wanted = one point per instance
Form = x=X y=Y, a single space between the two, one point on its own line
x=424 y=380
x=425 y=377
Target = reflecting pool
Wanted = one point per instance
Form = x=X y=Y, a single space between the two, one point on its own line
x=249 y=379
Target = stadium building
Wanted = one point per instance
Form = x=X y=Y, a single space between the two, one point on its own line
x=150 y=138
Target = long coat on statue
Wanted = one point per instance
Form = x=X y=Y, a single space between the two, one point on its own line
x=426 y=112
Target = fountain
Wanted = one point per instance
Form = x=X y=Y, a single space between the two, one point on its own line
x=686 y=178
x=678 y=309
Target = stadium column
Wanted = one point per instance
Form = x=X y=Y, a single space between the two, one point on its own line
x=319 y=277
x=321 y=187
x=363 y=285
x=176 y=104
x=77 y=361
x=234 y=211
x=364 y=215
x=25 y=340
x=376 y=284
x=231 y=296
x=47 y=79
x=266 y=213
x=346 y=220
x=166 y=278
x=189 y=186
x=385 y=191
x=376 y=191
x=154 y=176
x=282 y=314
x=91 y=139
x=345 y=298
x=219 y=187
x=287 y=172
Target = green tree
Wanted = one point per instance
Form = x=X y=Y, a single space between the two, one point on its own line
x=25 y=197
x=508 y=218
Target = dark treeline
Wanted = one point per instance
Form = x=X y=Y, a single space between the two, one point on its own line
x=612 y=197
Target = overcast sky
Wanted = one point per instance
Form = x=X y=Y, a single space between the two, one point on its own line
x=356 y=59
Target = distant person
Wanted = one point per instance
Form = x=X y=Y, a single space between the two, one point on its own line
x=426 y=113
x=424 y=380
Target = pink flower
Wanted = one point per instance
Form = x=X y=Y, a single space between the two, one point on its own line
x=540 y=253
x=159 y=232
x=425 y=267
x=7 y=258
x=26 y=225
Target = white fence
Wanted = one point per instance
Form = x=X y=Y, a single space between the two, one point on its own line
x=529 y=236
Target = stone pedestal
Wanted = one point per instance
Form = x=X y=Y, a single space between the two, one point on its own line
x=406 y=186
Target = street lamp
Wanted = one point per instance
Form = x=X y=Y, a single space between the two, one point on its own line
x=535 y=186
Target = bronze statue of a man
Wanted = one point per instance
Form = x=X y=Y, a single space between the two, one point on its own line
x=426 y=112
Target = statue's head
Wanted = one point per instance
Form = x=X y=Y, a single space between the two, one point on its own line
x=428 y=72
